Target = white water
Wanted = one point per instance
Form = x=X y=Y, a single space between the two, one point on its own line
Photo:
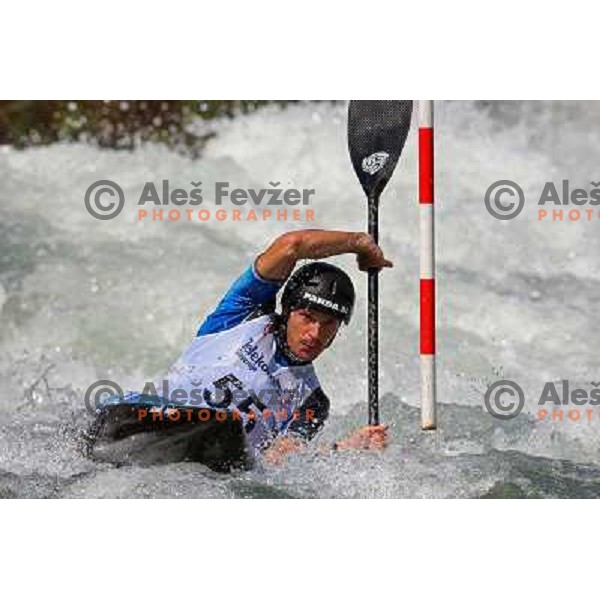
x=120 y=299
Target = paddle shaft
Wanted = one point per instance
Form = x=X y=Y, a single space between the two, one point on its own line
x=373 y=319
x=377 y=131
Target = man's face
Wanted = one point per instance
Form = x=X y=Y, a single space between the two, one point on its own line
x=310 y=331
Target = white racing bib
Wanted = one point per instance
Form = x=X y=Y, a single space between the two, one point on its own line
x=236 y=370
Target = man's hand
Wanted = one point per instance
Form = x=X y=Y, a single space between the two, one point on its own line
x=369 y=254
x=275 y=455
x=368 y=437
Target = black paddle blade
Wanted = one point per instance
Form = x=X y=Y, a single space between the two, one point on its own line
x=377 y=131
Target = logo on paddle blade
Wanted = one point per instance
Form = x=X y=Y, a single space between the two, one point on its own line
x=375 y=162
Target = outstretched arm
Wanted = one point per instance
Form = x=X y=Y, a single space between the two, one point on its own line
x=278 y=261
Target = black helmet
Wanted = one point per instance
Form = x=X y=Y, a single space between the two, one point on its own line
x=320 y=285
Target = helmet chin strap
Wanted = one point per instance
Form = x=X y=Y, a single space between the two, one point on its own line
x=281 y=340
x=334 y=335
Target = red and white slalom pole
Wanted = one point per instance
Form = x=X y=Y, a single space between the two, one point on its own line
x=427 y=290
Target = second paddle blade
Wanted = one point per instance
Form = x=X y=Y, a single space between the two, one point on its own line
x=377 y=131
